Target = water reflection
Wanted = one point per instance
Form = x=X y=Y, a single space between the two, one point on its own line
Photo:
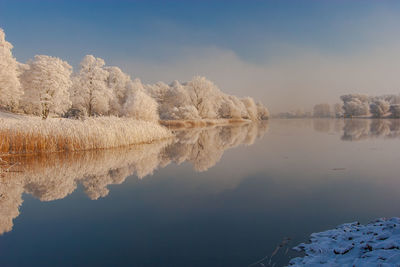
x=355 y=130
x=359 y=129
x=55 y=176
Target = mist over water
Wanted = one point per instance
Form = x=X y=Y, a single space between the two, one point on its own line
x=220 y=196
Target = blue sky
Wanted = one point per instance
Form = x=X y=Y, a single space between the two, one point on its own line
x=169 y=40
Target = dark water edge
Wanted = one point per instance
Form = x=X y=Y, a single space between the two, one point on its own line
x=225 y=197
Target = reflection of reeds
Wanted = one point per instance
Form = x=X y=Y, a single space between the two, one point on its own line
x=56 y=135
x=54 y=176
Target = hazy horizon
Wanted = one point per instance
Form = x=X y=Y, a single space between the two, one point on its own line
x=287 y=55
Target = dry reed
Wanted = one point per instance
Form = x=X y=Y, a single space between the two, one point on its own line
x=33 y=135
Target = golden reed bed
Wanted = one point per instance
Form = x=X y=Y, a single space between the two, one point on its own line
x=33 y=135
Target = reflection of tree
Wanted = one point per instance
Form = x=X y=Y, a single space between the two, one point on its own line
x=359 y=129
x=204 y=147
x=322 y=125
x=54 y=176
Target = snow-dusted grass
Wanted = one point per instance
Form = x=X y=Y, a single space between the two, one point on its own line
x=9 y=115
x=353 y=244
x=34 y=135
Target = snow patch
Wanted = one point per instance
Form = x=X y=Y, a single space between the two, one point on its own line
x=353 y=244
x=9 y=115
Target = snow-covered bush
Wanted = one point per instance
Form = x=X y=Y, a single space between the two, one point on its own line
x=46 y=82
x=10 y=88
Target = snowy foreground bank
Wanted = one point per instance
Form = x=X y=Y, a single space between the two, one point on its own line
x=34 y=135
x=353 y=244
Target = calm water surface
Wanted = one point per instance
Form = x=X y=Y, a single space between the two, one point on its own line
x=225 y=196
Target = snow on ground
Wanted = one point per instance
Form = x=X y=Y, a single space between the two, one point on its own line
x=9 y=115
x=353 y=244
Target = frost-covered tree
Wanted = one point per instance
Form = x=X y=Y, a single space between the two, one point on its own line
x=379 y=107
x=10 y=88
x=90 y=92
x=262 y=112
x=46 y=82
x=205 y=97
x=232 y=107
x=174 y=101
x=251 y=108
x=338 y=110
x=202 y=99
x=395 y=110
x=118 y=82
x=322 y=110
x=355 y=105
x=392 y=99
x=139 y=105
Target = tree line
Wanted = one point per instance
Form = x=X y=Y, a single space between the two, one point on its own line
x=47 y=86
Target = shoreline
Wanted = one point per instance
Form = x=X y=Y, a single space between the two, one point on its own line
x=27 y=135
x=353 y=244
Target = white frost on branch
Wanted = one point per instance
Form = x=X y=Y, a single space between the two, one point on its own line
x=46 y=81
x=90 y=92
x=355 y=105
x=202 y=99
x=10 y=88
x=138 y=104
x=99 y=90
x=379 y=107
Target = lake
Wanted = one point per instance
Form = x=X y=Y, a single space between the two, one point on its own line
x=221 y=196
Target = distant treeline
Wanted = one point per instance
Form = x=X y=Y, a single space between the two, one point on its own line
x=353 y=105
